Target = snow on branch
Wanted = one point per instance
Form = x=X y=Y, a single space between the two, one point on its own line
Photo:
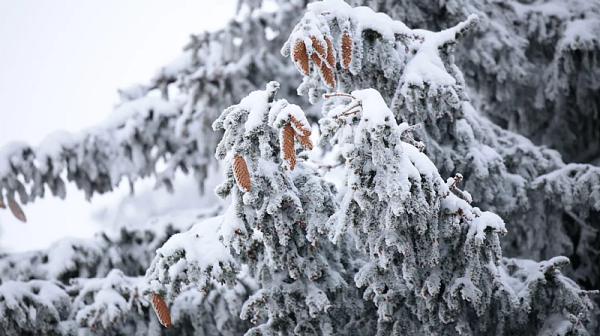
x=126 y=145
x=195 y=275
x=33 y=307
x=103 y=303
x=212 y=73
x=574 y=186
x=363 y=39
x=131 y=250
x=406 y=218
x=100 y=280
x=524 y=288
x=180 y=263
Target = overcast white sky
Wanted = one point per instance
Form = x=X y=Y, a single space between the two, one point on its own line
x=61 y=63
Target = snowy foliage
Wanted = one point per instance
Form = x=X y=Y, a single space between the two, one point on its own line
x=530 y=64
x=426 y=258
x=128 y=144
x=500 y=168
x=276 y=228
x=180 y=261
x=430 y=194
x=90 y=285
x=110 y=300
x=33 y=307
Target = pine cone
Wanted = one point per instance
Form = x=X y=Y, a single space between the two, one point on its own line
x=287 y=145
x=160 y=307
x=304 y=131
x=300 y=57
x=327 y=75
x=16 y=210
x=316 y=60
x=240 y=171
x=346 y=50
x=304 y=140
x=318 y=47
x=330 y=54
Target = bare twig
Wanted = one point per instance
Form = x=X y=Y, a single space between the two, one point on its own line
x=580 y=221
x=406 y=135
x=338 y=94
x=458 y=178
x=325 y=166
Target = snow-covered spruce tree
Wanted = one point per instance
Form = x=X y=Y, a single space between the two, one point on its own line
x=411 y=201
x=275 y=226
x=218 y=69
x=401 y=211
x=531 y=64
x=94 y=287
x=552 y=95
x=415 y=72
x=167 y=119
x=431 y=263
x=433 y=258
